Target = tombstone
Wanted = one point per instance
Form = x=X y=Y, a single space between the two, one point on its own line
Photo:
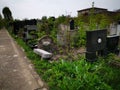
x=30 y=35
x=118 y=28
x=31 y=27
x=66 y=34
x=62 y=34
x=16 y=27
x=31 y=22
x=44 y=54
x=72 y=25
x=91 y=56
x=96 y=41
x=115 y=28
x=112 y=44
x=46 y=43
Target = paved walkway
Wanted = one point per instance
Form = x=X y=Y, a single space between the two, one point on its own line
x=16 y=71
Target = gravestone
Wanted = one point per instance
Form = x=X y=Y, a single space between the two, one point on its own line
x=30 y=22
x=112 y=44
x=118 y=28
x=46 y=43
x=16 y=27
x=96 y=41
x=91 y=56
x=114 y=28
x=72 y=25
x=30 y=35
x=66 y=33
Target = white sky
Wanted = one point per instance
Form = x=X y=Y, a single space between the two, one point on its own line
x=30 y=9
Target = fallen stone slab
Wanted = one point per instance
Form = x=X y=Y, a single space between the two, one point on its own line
x=44 y=54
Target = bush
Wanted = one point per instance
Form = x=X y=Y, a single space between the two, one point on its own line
x=76 y=74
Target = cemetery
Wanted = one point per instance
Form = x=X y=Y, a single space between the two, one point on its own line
x=65 y=63
x=98 y=42
x=72 y=52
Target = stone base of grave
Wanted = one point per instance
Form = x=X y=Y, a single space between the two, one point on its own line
x=44 y=54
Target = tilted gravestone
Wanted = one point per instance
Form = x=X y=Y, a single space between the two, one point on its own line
x=96 y=41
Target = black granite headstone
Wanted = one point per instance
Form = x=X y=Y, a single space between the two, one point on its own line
x=71 y=24
x=91 y=56
x=95 y=44
x=96 y=40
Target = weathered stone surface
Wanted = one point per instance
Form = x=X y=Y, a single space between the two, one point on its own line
x=43 y=53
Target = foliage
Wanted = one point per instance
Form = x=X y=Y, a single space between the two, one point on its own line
x=92 y=20
x=0 y=21
x=76 y=74
x=7 y=13
x=89 y=22
x=0 y=16
x=7 y=17
x=104 y=22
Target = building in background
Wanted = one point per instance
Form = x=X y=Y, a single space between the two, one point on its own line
x=97 y=10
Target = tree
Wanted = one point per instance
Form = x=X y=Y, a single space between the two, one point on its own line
x=1 y=21
x=7 y=13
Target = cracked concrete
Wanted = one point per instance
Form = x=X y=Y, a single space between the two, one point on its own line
x=16 y=71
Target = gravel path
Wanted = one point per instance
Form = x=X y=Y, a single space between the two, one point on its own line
x=16 y=71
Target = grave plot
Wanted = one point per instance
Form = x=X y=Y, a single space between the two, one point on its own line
x=99 y=44
x=62 y=48
x=96 y=43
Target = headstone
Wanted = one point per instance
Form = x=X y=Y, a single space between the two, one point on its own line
x=31 y=22
x=91 y=56
x=113 y=29
x=46 y=43
x=31 y=27
x=66 y=34
x=30 y=36
x=96 y=41
x=112 y=44
x=44 y=54
x=118 y=28
x=72 y=25
x=16 y=27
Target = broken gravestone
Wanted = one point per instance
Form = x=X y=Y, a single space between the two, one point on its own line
x=46 y=43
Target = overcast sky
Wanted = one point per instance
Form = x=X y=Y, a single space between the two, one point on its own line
x=30 y=9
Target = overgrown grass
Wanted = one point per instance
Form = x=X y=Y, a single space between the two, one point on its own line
x=76 y=74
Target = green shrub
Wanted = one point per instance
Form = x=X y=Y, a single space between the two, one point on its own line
x=75 y=74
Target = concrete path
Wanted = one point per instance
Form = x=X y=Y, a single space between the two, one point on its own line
x=16 y=71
